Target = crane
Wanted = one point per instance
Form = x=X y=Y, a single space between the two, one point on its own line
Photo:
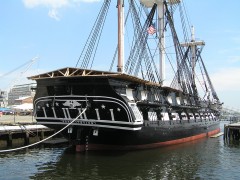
x=29 y=63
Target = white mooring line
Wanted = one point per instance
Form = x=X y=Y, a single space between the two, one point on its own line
x=30 y=145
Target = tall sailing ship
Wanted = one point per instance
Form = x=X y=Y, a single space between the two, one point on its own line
x=133 y=107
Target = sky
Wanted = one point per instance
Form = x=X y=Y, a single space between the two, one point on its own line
x=53 y=33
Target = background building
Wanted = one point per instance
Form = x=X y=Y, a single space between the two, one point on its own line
x=23 y=100
x=19 y=92
x=3 y=98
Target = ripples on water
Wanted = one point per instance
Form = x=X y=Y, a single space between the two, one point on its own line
x=207 y=158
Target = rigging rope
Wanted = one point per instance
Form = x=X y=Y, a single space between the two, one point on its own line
x=91 y=45
x=104 y=18
x=183 y=77
x=185 y=32
x=202 y=78
x=139 y=49
x=214 y=94
x=30 y=145
x=186 y=14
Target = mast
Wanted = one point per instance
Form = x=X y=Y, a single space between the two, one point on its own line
x=161 y=25
x=120 y=7
x=193 y=45
x=193 y=52
x=161 y=30
x=161 y=12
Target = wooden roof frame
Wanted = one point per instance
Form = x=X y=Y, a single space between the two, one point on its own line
x=77 y=72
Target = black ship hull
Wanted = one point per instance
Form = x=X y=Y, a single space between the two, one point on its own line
x=117 y=120
x=152 y=135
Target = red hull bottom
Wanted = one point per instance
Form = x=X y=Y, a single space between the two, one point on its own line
x=94 y=147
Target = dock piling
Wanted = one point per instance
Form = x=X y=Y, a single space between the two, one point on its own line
x=9 y=139
x=26 y=140
x=231 y=132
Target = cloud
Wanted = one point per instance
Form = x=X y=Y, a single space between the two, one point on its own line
x=46 y=3
x=234 y=59
x=227 y=80
x=53 y=13
x=54 y=5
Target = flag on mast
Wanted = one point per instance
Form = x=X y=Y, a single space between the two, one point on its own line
x=151 y=29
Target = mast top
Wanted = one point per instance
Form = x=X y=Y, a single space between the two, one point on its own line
x=150 y=3
x=193 y=42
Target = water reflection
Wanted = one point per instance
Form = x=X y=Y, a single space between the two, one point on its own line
x=207 y=158
x=175 y=162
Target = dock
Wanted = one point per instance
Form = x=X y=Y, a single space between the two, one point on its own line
x=232 y=132
x=21 y=135
x=18 y=131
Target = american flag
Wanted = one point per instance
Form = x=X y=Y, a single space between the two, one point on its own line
x=151 y=29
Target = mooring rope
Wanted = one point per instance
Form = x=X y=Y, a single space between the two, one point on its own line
x=30 y=145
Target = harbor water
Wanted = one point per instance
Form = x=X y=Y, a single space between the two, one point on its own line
x=208 y=158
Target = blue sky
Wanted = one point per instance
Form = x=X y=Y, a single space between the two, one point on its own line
x=55 y=31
